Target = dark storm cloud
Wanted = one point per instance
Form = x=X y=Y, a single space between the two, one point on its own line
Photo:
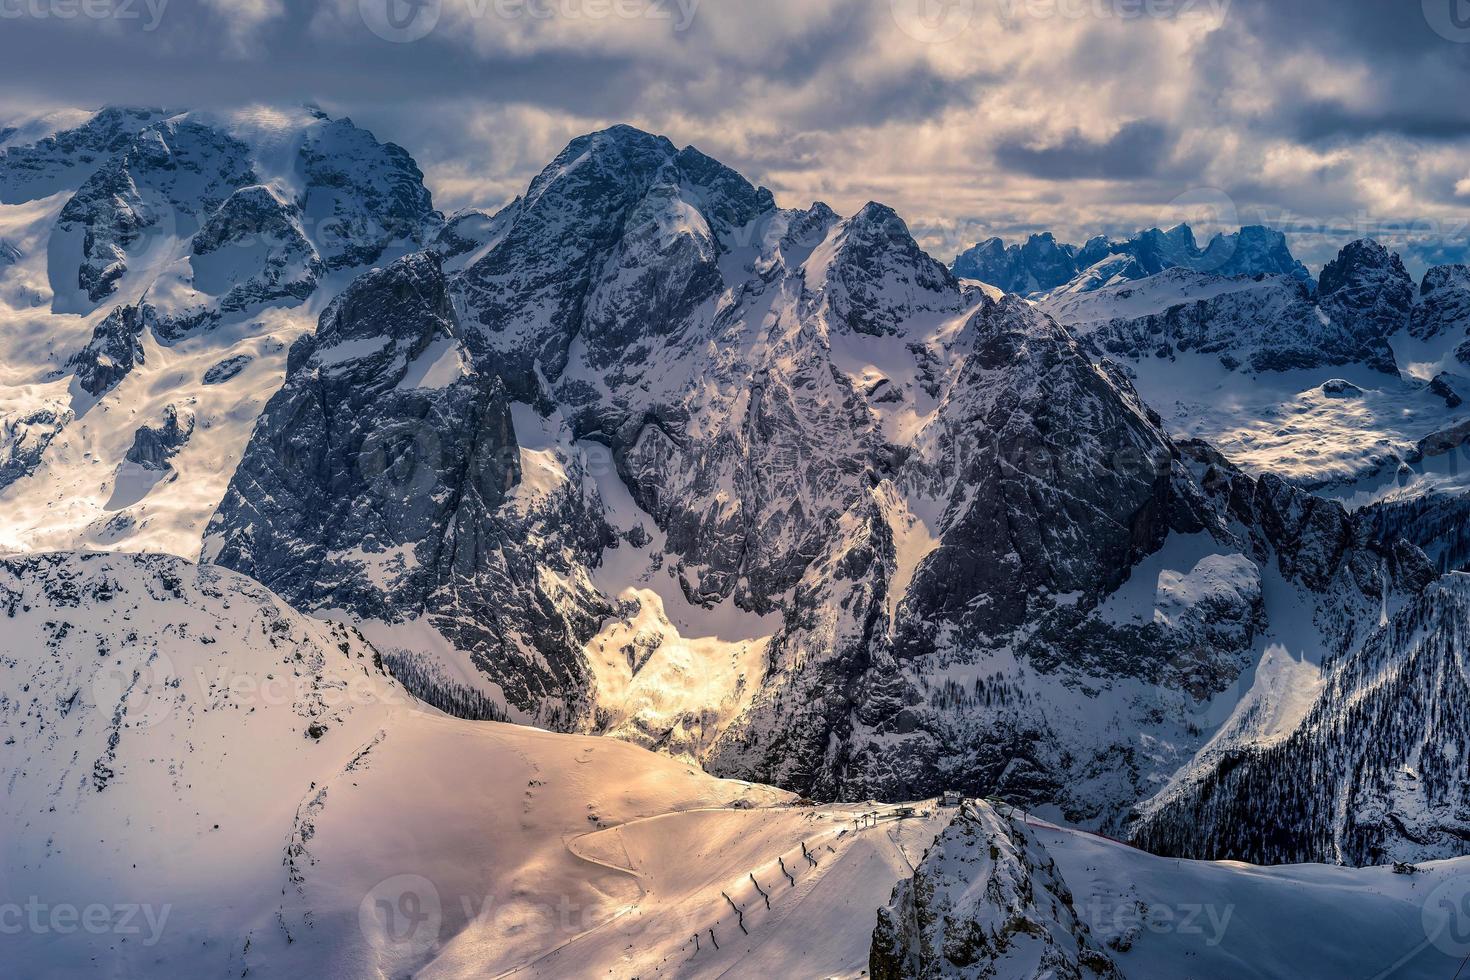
x=1415 y=77
x=1324 y=122
x=1303 y=112
x=1137 y=150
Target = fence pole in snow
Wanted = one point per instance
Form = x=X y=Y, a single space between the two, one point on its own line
x=739 y=915
x=761 y=890
x=713 y=939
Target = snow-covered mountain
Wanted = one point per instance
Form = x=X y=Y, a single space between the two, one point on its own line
x=986 y=898
x=769 y=491
x=645 y=454
x=1043 y=265
x=160 y=264
x=1396 y=795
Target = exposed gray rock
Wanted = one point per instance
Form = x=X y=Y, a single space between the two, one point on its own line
x=23 y=441
x=254 y=229
x=115 y=349
x=227 y=369
x=1442 y=385
x=154 y=445
x=1367 y=290
x=364 y=493
x=1443 y=306
x=986 y=901
x=362 y=196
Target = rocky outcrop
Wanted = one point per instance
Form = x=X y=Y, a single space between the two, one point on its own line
x=154 y=445
x=255 y=229
x=1443 y=306
x=23 y=441
x=227 y=369
x=115 y=349
x=1367 y=290
x=986 y=901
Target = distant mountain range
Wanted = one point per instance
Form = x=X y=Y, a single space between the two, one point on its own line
x=1042 y=264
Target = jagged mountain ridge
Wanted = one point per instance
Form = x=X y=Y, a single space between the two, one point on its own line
x=768 y=488
x=1043 y=264
x=1338 y=388
x=778 y=492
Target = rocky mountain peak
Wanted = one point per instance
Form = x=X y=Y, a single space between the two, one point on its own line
x=1361 y=264
x=873 y=277
x=1443 y=306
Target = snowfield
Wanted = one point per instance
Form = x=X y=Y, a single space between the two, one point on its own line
x=243 y=789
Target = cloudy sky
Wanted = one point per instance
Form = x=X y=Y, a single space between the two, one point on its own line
x=1331 y=119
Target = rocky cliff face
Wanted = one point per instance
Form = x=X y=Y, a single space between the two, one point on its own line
x=383 y=480
x=1443 y=306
